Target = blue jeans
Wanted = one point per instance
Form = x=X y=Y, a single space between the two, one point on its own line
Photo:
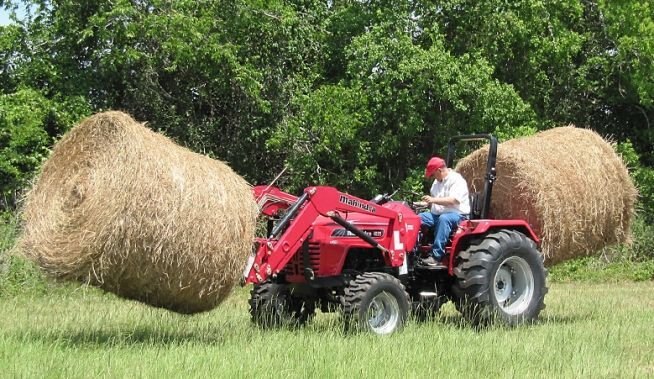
x=443 y=225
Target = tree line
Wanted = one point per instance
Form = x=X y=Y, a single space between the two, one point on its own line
x=355 y=94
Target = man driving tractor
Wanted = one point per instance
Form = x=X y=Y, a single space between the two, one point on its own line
x=450 y=203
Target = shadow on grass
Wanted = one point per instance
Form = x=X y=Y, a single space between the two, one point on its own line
x=134 y=336
x=457 y=321
x=129 y=336
x=564 y=319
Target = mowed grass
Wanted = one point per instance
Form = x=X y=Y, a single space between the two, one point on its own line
x=587 y=330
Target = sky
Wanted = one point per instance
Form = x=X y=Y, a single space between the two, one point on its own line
x=4 y=15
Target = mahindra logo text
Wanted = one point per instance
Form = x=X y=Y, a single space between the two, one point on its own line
x=356 y=203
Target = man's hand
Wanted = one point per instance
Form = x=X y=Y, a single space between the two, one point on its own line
x=420 y=204
x=442 y=201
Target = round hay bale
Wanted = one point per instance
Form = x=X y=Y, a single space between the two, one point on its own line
x=126 y=209
x=568 y=183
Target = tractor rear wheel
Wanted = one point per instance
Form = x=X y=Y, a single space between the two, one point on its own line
x=376 y=302
x=273 y=305
x=500 y=278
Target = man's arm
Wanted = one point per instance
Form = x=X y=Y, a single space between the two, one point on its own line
x=448 y=201
x=459 y=190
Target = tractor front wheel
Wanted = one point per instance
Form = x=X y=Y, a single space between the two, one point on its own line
x=500 y=278
x=273 y=305
x=376 y=302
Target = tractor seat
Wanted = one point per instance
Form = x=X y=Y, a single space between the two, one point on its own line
x=476 y=205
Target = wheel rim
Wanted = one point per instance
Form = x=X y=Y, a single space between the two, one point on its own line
x=514 y=285
x=383 y=313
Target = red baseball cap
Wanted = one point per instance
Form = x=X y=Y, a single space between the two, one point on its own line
x=434 y=164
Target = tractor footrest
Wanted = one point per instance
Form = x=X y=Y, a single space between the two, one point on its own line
x=430 y=268
x=426 y=266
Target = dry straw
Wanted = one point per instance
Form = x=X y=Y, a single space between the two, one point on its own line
x=568 y=183
x=126 y=209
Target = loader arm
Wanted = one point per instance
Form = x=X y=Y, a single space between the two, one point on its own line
x=295 y=228
x=271 y=200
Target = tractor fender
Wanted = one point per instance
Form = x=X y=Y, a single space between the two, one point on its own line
x=472 y=228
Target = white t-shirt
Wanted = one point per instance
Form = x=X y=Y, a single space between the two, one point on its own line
x=452 y=186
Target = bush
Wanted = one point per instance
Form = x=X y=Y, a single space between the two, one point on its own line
x=643 y=178
x=7 y=232
x=597 y=269
x=633 y=261
x=20 y=276
x=29 y=124
x=17 y=275
x=641 y=248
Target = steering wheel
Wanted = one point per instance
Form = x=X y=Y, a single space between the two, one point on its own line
x=417 y=206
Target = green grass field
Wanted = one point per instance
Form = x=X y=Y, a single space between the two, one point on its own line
x=587 y=330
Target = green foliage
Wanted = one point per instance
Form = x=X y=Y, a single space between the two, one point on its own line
x=640 y=249
x=533 y=45
x=597 y=270
x=398 y=104
x=631 y=25
x=505 y=133
x=29 y=123
x=632 y=261
x=414 y=185
x=331 y=121
x=643 y=178
x=350 y=93
x=20 y=277
x=24 y=143
x=627 y=64
x=8 y=231
x=581 y=62
x=17 y=275
x=214 y=75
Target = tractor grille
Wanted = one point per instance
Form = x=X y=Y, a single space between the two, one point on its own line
x=292 y=267
x=314 y=255
x=296 y=265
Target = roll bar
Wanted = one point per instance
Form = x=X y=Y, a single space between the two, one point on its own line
x=491 y=173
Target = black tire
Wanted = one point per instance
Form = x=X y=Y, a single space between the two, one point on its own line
x=500 y=278
x=376 y=302
x=272 y=305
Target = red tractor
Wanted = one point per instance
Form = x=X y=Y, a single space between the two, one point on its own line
x=329 y=250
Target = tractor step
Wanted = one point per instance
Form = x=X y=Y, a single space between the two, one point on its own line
x=430 y=264
x=430 y=268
